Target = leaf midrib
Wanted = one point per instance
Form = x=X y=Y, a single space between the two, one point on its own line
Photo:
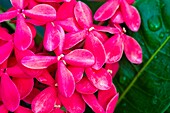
x=141 y=70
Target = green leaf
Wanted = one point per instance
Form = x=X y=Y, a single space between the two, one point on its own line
x=145 y=88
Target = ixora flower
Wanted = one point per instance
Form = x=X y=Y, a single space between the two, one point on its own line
x=76 y=61
x=43 y=12
x=122 y=42
x=120 y=11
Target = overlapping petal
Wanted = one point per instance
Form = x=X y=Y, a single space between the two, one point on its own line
x=73 y=38
x=65 y=80
x=24 y=86
x=38 y=62
x=94 y=45
x=5 y=51
x=8 y=15
x=93 y=103
x=114 y=52
x=52 y=36
x=23 y=35
x=46 y=78
x=77 y=72
x=42 y=12
x=132 y=49
x=107 y=10
x=83 y=14
x=44 y=102
x=101 y=79
x=73 y=104
x=130 y=16
x=9 y=93
x=84 y=86
x=75 y=58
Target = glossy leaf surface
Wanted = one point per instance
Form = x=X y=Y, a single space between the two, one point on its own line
x=145 y=87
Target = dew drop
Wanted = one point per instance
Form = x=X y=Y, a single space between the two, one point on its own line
x=122 y=79
x=156 y=57
x=162 y=35
x=124 y=104
x=154 y=23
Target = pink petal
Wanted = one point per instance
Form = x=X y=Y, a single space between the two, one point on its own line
x=21 y=109
x=73 y=104
x=103 y=99
x=42 y=12
x=100 y=35
x=112 y=68
x=3 y=109
x=5 y=51
x=114 y=49
x=75 y=58
x=117 y=17
x=35 y=22
x=69 y=24
x=65 y=80
x=33 y=30
x=83 y=14
x=4 y=35
x=8 y=15
x=94 y=45
x=93 y=103
x=72 y=39
x=130 y=1
x=107 y=10
x=24 y=85
x=19 y=4
x=20 y=54
x=23 y=35
x=10 y=95
x=77 y=72
x=101 y=79
x=133 y=51
x=38 y=62
x=84 y=86
x=44 y=102
x=46 y=78
x=107 y=29
x=59 y=50
x=112 y=104
x=31 y=96
x=52 y=36
x=66 y=10
x=130 y=16
x=16 y=71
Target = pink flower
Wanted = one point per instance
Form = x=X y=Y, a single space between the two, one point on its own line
x=119 y=10
x=122 y=42
x=45 y=12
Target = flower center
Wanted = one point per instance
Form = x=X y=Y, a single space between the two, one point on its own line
x=91 y=28
x=60 y=58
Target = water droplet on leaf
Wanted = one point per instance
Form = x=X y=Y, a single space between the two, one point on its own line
x=124 y=104
x=161 y=35
x=122 y=79
x=154 y=23
x=156 y=57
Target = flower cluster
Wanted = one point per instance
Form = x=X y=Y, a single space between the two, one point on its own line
x=76 y=61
